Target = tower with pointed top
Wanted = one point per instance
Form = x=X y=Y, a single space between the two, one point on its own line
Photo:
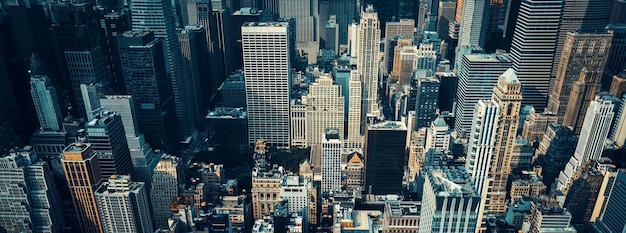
x=508 y=95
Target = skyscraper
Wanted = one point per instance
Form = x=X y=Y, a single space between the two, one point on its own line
x=473 y=25
x=325 y=109
x=594 y=132
x=31 y=202
x=164 y=189
x=123 y=206
x=368 y=39
x=438 y=136
x=85 y=67
x=331 y=161
x=82 y=173
x=613 y=218
x=141 y=154
x=106 y=136
x=46 y=103
x=482 y=143
x=580 y=16
x=532 y=50
x=268 y=81
x=507 y=94
x=146 y=80
x=346 y=11
x=196 y=56
x=306 y=14
x=163 y=25
x=579 y=74
x=426 y=102
x=354 y=141
x=449 y=200
x=478 y=74
x=403 y=28
x=384 y=157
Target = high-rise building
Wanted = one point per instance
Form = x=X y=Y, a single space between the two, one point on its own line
x=346 y=11
x=533 y=45
x=404 y=27
x=579 y=74
x=331 y=161
x=482 y=143
x=613 y=218
x=592 y=136
x=106 y=135
x=306 y=14
x=616 y=62
x=385 y=157
x=146 y=80
x=30 y=200
x=331 y=35
x=114 y=24
x=473 y=26
x=445 y=16
x=449 y=202
x=85 y=67
x=90 y=94
x=141 y=154
x=368 y=39
x=478 y=74
x=164 y=190
x=196 y=57
x=438 y=136
x=82 y=173
x=354 y=141
x=507 y=94
x=163 y=25
x=426 y=102
x=268 y=81
x=325 y=109
x=123 y=206
x=583 y=193
x=46 y=103
x=297 y=191
x=580 y=16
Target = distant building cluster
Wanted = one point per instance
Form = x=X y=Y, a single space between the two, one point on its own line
x=313 y=116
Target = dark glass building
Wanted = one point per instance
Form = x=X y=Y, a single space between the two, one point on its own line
x=107 y=137
x=385 y=157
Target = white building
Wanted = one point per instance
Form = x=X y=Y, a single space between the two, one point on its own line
x=297 y=190
x=482 y=142
x=354 y=140
x=164 y=189
x=29 y=200
x=331 y=161
x=46 y=103
x=532 y=50
x=449 y=203
x=438 y=137
x=473 y=28
x=478 y=74
x=595 y=131
x=325 y=109
x=123 y=206
x=368 y=46
x=267 y=69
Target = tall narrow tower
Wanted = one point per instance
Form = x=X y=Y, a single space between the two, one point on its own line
x=156 y=16
x=331 y=161
x=46 y=103
x=368 y=46
x=532 y=50
x=481 y=147
x=594 y=132
x=508 y=94
x=82 y=173
x=268 y=81
x=354 y=141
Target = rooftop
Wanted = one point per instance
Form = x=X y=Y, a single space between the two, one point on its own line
x=387 y=125
x=510 y=76
x=230 y=113
x=266 y=24
x=450 y=181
